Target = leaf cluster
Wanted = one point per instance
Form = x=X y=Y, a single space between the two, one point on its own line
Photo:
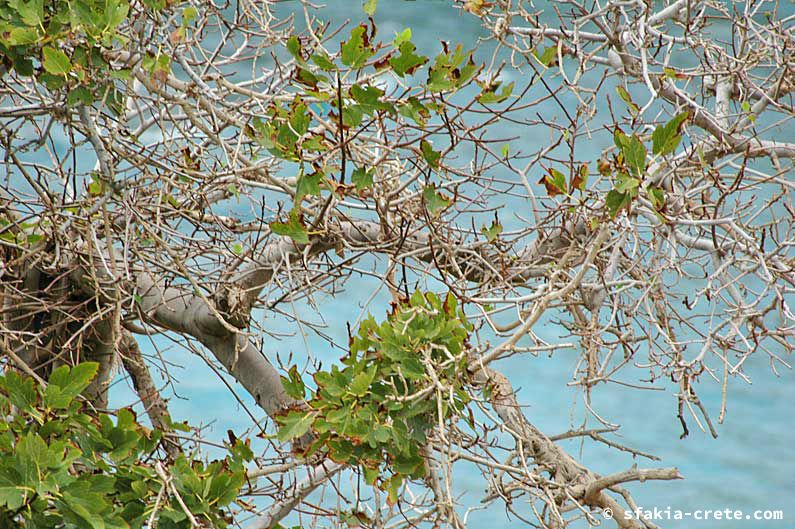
x=292 y=130
x=631 y=163
x=61 y=466
x=402 y=377
x=61 y=44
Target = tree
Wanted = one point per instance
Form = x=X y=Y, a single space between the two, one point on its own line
x=178 y=169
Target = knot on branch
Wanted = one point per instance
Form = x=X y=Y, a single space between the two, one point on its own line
x=233 y=303
x=501 y=27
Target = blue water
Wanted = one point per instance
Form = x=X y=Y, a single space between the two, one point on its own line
x=748 y=467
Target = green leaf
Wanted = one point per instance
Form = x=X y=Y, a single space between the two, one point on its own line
x=300 y=119
x=679 y=120
x=548 y=56
x=491 y=96
x=73 y=381
x=616 y=201
x=163 y=62
x=294 y=47
x=362 y=178
x=407 y=62
x=176 y=425
x=112 y=98
x=412 y=368
x=657 y=197
x=55 y=398
x=79 y=95
x=31 y=453
x=410 y=464
x=434 y=201
x=666 y=138
x=392 y=488
x=403 y=36
x=451 y=71
x=294 y=385
x=21 y=391
x=31 y=13
x=370 y=6
x=294 y=228
x=96 y=187
x=340 y=451
x=356 y=50
x=382 y=434
x=114 y=13
x=369 y=101
x=492 y=232
x=361 y=382
x=352 y=115
x=12 y=494
x=554 y=182
x=294 y=425
x=21 y=36
x=307 y=78
x=83 y=506
x=339 y=416
x=322 y=60
x=505 y=150
x=431 y=156
x=671 y=73
x=414 y=110
x=624 y=95
x=314 y=143
x=155 y=5
x=627 y=184
x=370 y=475
x=579 y=179
x=56 y=62
x=620 y=139
x=663 y=141
x=189 y=14
x=635 y=155
x=308 y=185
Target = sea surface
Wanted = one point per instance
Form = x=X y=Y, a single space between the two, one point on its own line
x=748 y=467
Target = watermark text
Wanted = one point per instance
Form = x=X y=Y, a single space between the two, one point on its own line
x=670 y=513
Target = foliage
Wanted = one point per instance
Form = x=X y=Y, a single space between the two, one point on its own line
x=630 y=163
x=292 y=130
x=63 y=43
x=401 y=378
x=63 y=466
